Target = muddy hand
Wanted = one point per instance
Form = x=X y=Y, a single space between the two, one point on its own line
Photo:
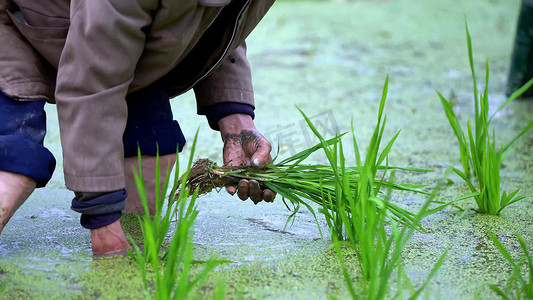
x=251 y=188
x=244 y=145
x=249 y=148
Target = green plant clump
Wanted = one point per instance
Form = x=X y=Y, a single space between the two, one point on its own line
x=479 y=156
x=171 y=268
x=350 y=198
x=363 y=225
x=522 y=286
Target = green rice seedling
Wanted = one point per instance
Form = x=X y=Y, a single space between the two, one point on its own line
x=318 y=183
x=362 y=227
x=379 y=256
x=479 y=155
x=522 y=286
x=358 y=206
x=171 y=268
x=219 y=292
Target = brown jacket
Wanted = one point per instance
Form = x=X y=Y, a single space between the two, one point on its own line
x=87 y=55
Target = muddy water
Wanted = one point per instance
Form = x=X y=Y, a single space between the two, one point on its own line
x=330 y=59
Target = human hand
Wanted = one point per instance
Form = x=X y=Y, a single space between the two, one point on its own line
x=244 y=145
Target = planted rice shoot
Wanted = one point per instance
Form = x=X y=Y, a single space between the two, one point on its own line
x=350 y=208
x=522 y=286
x=358 y=219
x=293 y=182
x=380 y=256
x=171 y=267
x=480 y=157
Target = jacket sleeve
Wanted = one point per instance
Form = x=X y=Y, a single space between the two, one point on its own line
x=230 y=82
x=104 y=43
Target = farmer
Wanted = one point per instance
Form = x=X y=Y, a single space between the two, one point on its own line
x=111 y=67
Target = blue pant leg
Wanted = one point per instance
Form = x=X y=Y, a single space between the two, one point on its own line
x=150 y=127
x=150 y=124
x=22 y=131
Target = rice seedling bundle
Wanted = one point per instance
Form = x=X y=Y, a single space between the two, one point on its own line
x=295 y=181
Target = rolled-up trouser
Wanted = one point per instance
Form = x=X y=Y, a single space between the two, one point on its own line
x=22 y=131
x=151 y=129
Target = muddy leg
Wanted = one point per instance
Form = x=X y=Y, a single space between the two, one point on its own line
x=109 y=240
x=14 y=190
x=133 y=202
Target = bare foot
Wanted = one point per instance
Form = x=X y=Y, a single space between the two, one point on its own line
x=133 y=203
x=14 y=190
x=109 y=239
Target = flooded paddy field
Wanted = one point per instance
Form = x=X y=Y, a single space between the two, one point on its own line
x=330 y=59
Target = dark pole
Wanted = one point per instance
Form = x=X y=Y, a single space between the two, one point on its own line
x=521 y=69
